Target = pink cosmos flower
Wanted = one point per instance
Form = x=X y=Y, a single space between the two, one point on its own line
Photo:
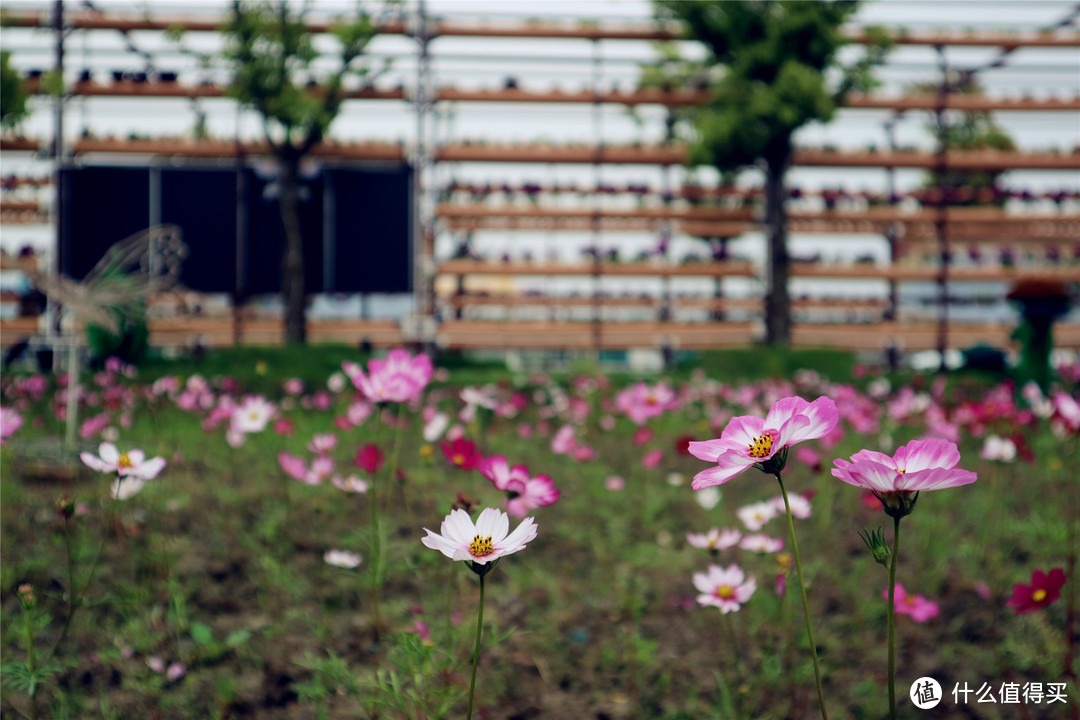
x=761 y=544
x=651 y=459
x=641 y=402
x=642 y=436
x=1044 y=589
x=727 y=589
x=897 y=480
x=294 y=386
x=398 y=378
x=10 y=421
x=132 y=463
x=523 y=491
x=614 y=483
x=322 y=443
x=564 y=442
x=175 y=671
x=714 y=539
x=94 y=425
x=750 y=441
x=483 y=542
x=918 y=607
x=321 y=468
x=755 y=515
x=284 y=427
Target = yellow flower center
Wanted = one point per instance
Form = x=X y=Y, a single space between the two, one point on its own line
x=761 y=446
x=725 y=592
x=909 y=600
x=1039 y=595
x=481 y=546
x=459 y=459
x=426 y=451
x=124 y=461
x=650 y=399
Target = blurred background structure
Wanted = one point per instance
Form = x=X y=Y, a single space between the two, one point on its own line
x=500 y=176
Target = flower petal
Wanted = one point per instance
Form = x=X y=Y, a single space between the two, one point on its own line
x=720 y=474
x=821 y=418
x=925 y=454
x=784 y=410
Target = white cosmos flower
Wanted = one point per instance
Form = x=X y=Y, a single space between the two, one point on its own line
x=755 y=515
x=127 y=487
x=132 y=463
x=483 y=542
x=349 y=484
x=342 y=559
x=252 y=415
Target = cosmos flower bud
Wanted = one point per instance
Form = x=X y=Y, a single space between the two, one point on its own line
x=875 y=541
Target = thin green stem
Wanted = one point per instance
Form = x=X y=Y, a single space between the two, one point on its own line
x=805 y=604
x=31 y=663
x=74 y=600
x=476 y=648
x=892 y=618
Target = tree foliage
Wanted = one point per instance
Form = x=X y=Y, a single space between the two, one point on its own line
x=771 y=66
x=273 y=55
x=13 y=95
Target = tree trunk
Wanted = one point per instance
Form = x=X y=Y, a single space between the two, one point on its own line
x=292 y=270
x=777 y=300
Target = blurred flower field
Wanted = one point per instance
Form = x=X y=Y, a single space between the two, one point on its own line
x=287 y=543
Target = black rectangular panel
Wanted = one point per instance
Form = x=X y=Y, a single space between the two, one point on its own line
x=101 y=207
x=202 y=202
x=373 y=219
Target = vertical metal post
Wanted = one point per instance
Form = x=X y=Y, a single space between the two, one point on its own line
x=240 y=281
x=893 y=310
x=941 y=218
x=423 y=231
x=598 y=140
x=52 y=309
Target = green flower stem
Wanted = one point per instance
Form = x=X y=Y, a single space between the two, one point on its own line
x=476 y=647
x=805 y=605
x=75 y=598
x=31 y=663
x=892 y=618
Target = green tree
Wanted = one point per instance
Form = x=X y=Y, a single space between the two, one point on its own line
x=771 y=67
x=271 y=50
x=13 y=94
x=965 y=130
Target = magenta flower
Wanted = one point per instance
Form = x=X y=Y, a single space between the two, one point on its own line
x=918 y=607
x=398 y=378
x=524 y=492
x=898 y=480
x=727 y=589
x=749 y=441
x=1044 y=589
